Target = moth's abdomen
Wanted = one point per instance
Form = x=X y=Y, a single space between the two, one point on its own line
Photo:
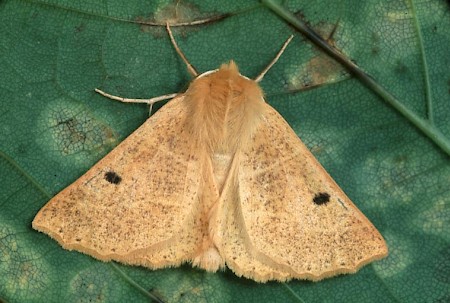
x=225 y=108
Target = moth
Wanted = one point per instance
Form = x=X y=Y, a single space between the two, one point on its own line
x=215 y=178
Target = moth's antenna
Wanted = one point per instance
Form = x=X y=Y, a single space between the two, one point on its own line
x=190 y=68
x=274 y=60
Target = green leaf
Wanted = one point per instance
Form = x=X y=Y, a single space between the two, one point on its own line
x=53 y=127
x=426 y=125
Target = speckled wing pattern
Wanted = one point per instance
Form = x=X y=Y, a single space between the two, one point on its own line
x=139 y=204
x=290 y=219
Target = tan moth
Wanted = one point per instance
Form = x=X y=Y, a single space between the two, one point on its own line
x=215 y=178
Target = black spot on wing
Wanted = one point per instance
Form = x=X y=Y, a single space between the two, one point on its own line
x=112 y=177
x=321 y=198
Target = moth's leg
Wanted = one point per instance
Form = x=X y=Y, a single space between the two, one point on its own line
x=150 y=101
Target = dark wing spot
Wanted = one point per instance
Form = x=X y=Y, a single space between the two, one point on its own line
x=112 y=177
x=321 y=198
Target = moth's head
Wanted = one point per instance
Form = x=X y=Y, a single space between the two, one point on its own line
x=225 y=85
x=223 y=105
x=226 y=70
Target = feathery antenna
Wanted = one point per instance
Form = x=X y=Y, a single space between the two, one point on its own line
x=190 y=68
x=274 y=60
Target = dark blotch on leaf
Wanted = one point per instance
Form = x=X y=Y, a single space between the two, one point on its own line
x=112 y=177
x=321 y=198
x=156 y=296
